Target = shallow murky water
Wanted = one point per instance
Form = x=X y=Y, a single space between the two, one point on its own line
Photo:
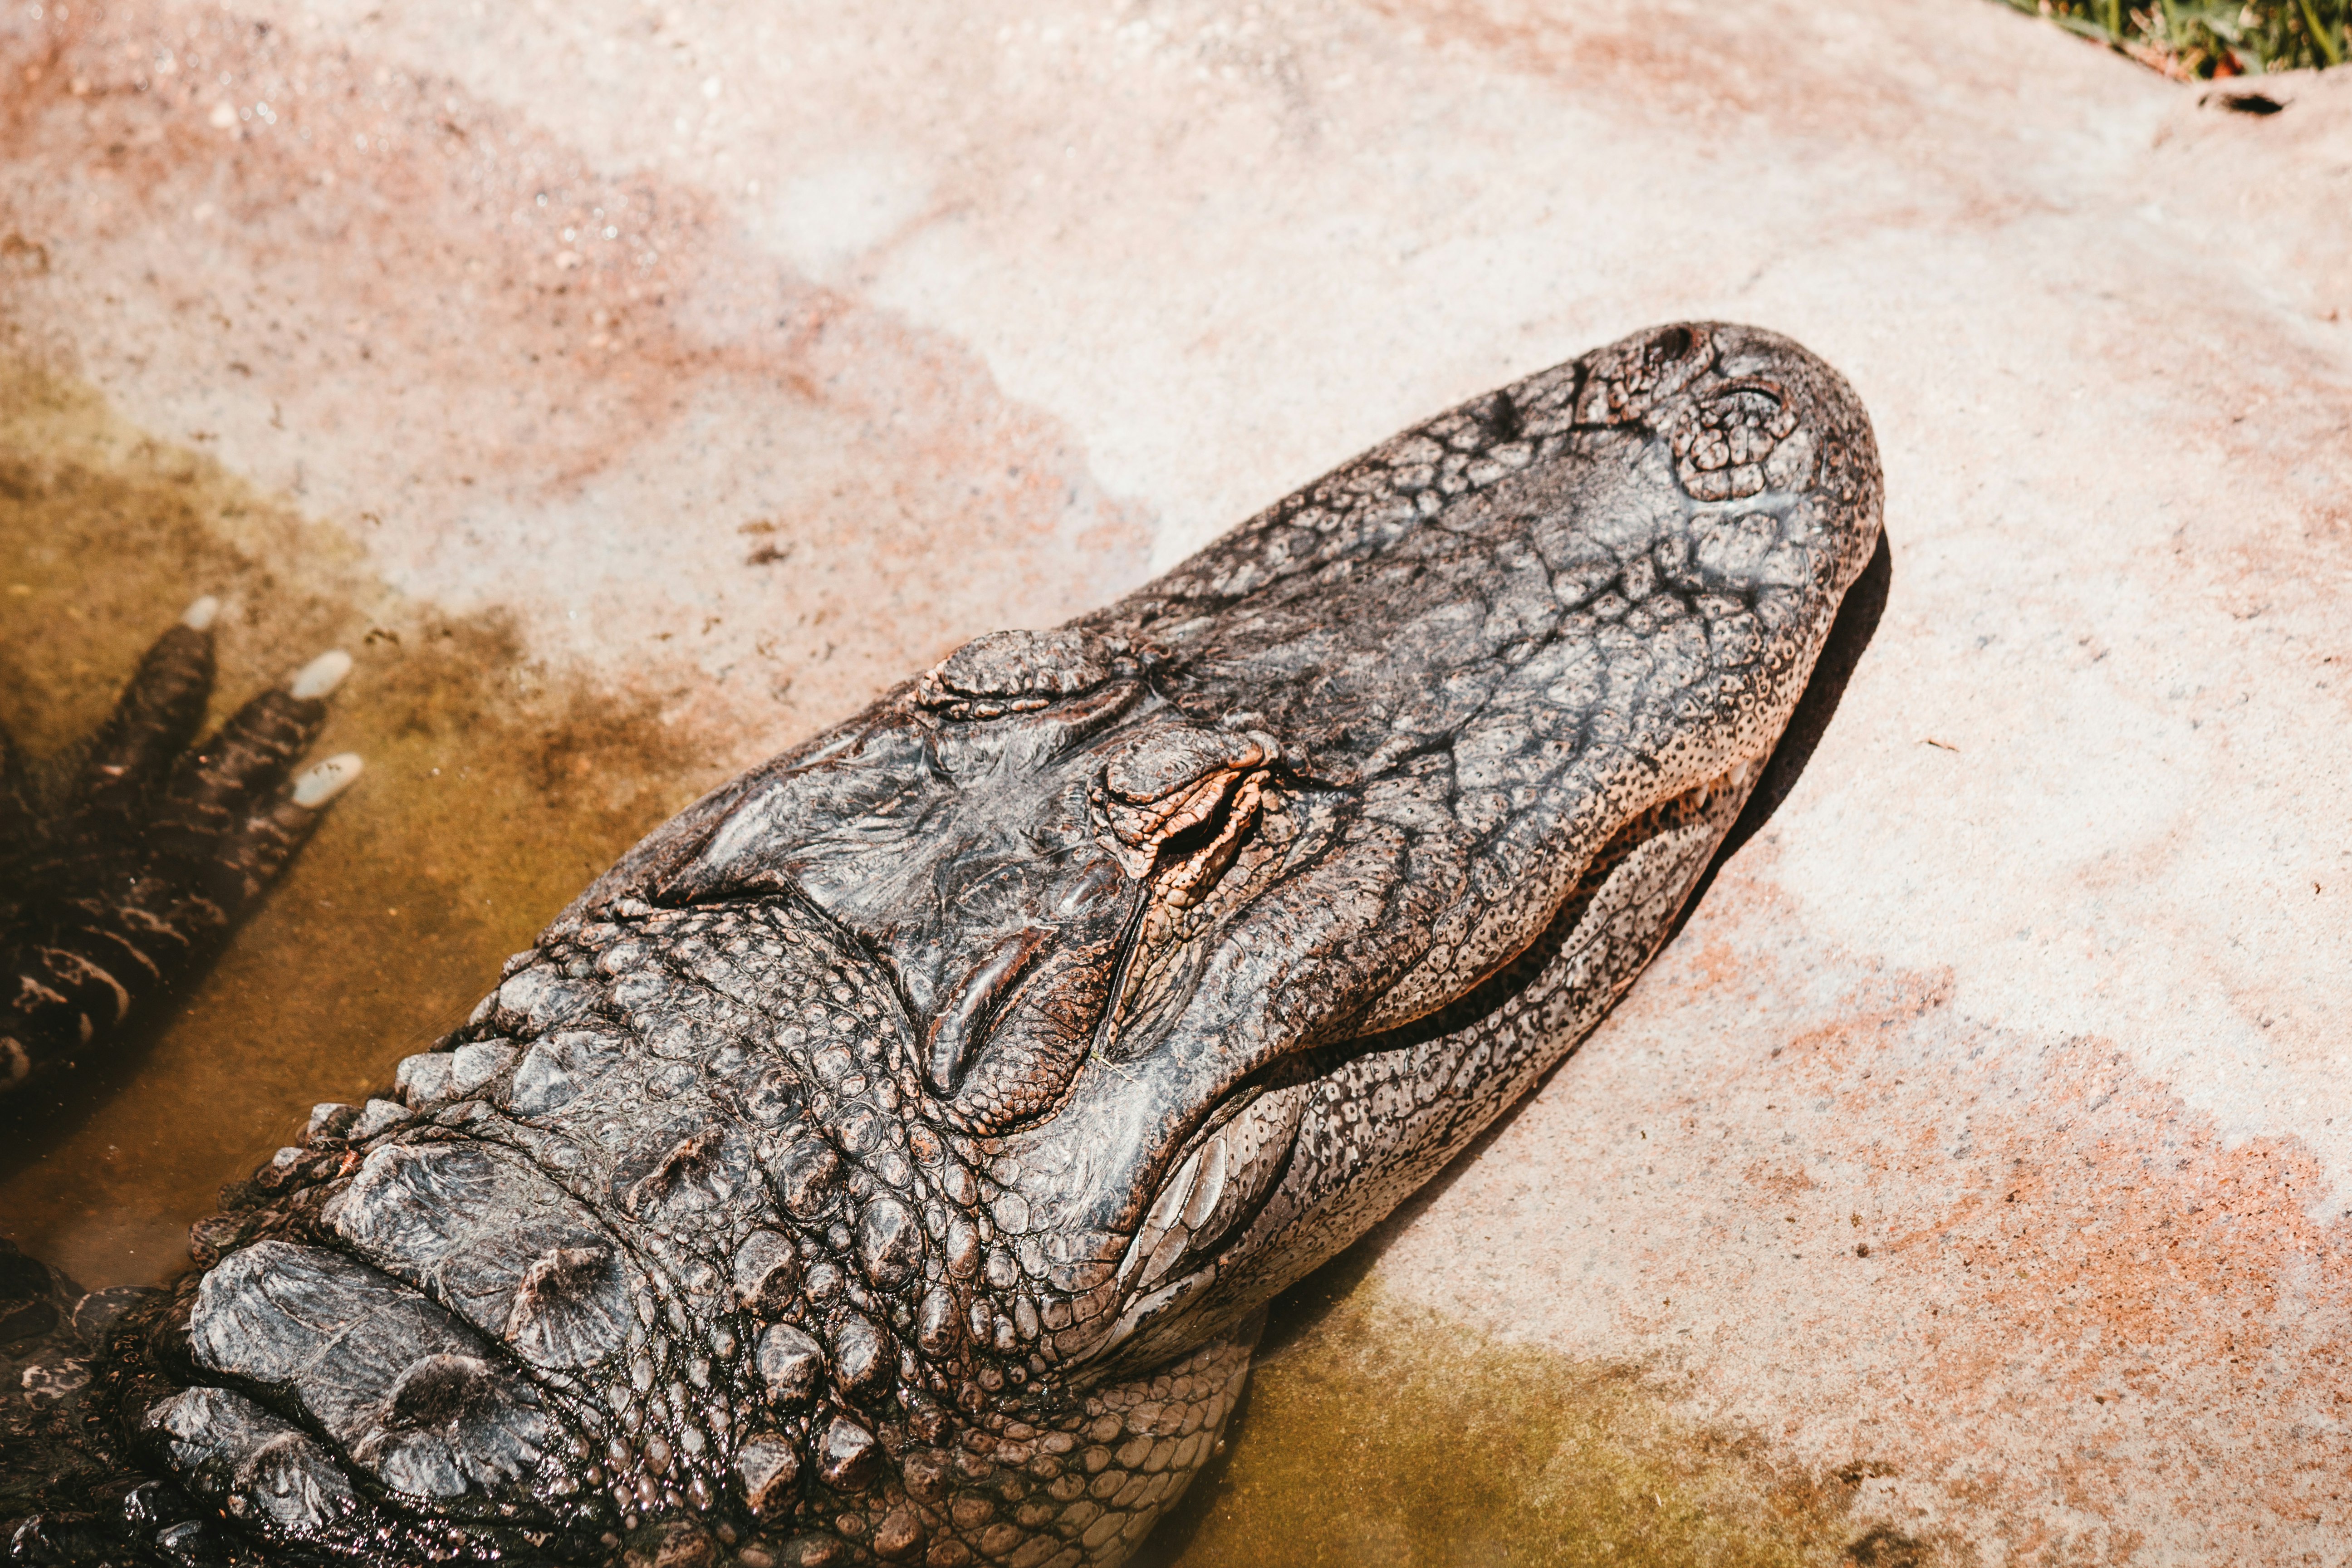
x=493 y=792
x=1379 y=1434
x=1374 y=1433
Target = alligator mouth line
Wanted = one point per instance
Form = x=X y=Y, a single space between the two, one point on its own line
x=1223 y=1180
x=1550 y=945
x=1232 y=1151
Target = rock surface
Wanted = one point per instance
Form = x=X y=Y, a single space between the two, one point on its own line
x=1985 y=1135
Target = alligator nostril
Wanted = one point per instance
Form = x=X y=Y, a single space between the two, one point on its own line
x=1736 y=442
x=1631 y=377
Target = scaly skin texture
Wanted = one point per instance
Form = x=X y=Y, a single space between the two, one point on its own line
x=891 y=1157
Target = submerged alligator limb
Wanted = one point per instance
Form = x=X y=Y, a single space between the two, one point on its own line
x=124 y=868
x=890 y=1158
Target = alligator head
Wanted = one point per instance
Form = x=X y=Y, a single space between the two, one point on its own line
x=889 y=1159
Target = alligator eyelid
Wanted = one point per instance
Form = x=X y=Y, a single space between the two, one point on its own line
x=1182 y=884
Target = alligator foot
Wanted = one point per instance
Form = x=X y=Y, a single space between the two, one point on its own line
x=122 y=869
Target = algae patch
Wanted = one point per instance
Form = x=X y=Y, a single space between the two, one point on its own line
x=495 y=790
x=1378 y=1435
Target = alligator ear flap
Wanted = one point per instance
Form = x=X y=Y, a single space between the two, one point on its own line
x=1021 y=671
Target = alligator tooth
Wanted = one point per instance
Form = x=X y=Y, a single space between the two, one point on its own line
x=1166 y=1209
x=1172 y=1197
x=1166 y=1255
x=1210 y=1185
x=1241 y=1161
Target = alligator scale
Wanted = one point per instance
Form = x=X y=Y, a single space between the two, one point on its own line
x=890 y=1158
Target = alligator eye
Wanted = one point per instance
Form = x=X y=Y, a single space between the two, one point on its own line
x=1021 y=671
x=1180 y=810
x=1023 y=951
x=1165 y=787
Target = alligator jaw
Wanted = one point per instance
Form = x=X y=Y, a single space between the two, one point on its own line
x=889 y=1159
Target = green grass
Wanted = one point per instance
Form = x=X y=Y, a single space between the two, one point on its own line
x=2185 y=39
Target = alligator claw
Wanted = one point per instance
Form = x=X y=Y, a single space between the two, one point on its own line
x=320 y=675
x=120 y=875
x=319 y=785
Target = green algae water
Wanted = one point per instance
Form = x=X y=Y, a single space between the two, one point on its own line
x=1374 y=1435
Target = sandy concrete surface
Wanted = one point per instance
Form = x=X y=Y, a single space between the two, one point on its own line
x=752 y=356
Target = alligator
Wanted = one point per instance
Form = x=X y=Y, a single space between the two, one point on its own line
x=890 y=1159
